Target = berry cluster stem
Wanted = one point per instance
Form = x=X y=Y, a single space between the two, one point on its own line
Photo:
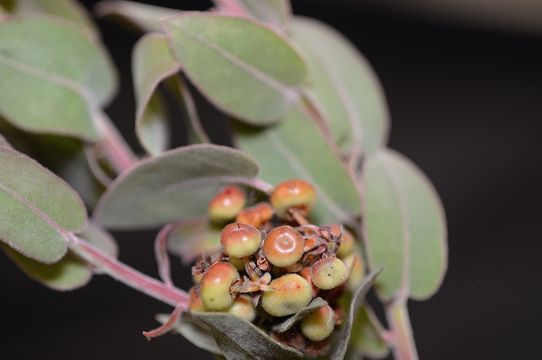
x=127 y=275
x=398 y=318
x=117 y=152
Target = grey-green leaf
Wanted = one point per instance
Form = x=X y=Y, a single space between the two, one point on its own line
x=342 y=337
x=176 y=184
x=64 y=75
x=292 y=320
x=152 y=62
x=366 y=339
x=67 y=274
x=37 y=209
x=68 y=10
x=296 y=148
x=4 y=143
x=240 y=340
x=218 y=55
x=344 y=85
x=100 y=238
x=146 y=17
x=193 y=332
x=191 y=238
x=273 y=12
x=406 y=227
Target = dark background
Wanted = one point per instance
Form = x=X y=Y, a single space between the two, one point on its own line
x=466 y=105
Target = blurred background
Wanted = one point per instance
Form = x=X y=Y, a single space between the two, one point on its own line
x=463 y=81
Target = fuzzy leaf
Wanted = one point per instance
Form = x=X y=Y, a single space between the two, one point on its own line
x=100 y=238
x=406 y=227
x=37 y=209
x=67 y=274
x=4 y=143
x=366 y=339
x=273 y=12
x=238 y=339
x=69 y=10
x=145 y=17
x=217 y=54
x=152 y=63
x=176 y=184
x=292 y=320
x=65 y=77
x=191 y=238
x=342 y=337
x=194 y=333
x=296 y=148
x=344 y=85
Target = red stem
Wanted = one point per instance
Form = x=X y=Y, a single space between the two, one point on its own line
x=160 y=251
x=128 y=275
x=404 y=347
x=115 y=149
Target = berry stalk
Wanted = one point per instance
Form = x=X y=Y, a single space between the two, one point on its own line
x=127 y=275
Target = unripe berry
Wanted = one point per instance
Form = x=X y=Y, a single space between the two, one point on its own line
x=256 y=215
x=328 y=273
x=195 y=303
x=294 y=193
x=286 y=295
x=319 y=324
x=347 y=244
x=227 y=204
x=240 y=240
x=243 y=308
x=354 y=264
x=237 y=262
x=215 y=286
x=283 y=246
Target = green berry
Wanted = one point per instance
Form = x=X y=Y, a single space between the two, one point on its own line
x=237 y=262
x=283 y=246
x=243 y=308
x=226 y=205
x=328 y=273
x=294 y=193
x=286 y=295
x=240 y=240
x=319 y=324
x=215 y=286
x=354 y=264
x=347 y=244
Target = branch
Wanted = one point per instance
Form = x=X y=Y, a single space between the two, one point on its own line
x=127 y=275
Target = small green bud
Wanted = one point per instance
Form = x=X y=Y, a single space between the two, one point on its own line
x=328 y=273
x=319 y=324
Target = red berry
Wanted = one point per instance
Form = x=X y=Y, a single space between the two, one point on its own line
x=283 y=246
x=215 y=286
x=240 y=240
x=227 y=204
x=294 y=193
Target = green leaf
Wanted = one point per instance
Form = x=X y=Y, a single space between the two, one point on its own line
x=273 y=12
x=218 y=54
x=344 y=86
x=67 y=274
x=195 y=333
x=176 y=184
x=296 y=148
x=152 y=62
x=292 y=320
x=406 y=227
x=37 y=208
x=366 y=339
x=145 y=17
x=191 y=238
x=342 y=337
x=239 y=339
x=68 y=10
x=65 y=78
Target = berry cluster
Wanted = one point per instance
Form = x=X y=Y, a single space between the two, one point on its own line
x=273 y=263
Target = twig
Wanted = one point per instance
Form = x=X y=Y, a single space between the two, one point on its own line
x=167 y=326
x=128 y=275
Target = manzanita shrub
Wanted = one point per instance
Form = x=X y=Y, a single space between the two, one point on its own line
x=285 y=234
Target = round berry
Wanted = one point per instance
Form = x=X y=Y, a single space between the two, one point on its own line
x=256 y=215
x=319 y=324
x=328 y=273
x=354 y=264
x=243 y=308
x=286 y=295
x=283 y=246
x=227 y=204
x=195 y=304
x=240 y=240
x=347 y=244
x=294 y=193
x=215 y=286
